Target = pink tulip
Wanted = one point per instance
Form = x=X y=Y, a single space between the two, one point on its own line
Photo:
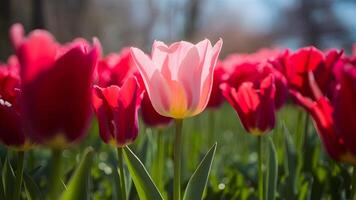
x=178 y=77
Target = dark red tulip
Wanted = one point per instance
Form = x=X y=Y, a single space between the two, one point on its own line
x=255 y=72
x=116 y=109
x=345 y=107
x=335 y=119
x=253 y=97
x=220 y=76
x=56 y=87
x=12 y=133
x=149 y=115
x=280 y=83
x=296 y=66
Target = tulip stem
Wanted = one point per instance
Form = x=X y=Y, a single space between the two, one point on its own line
x=353 y=186
x=260 y=169
x=56 y=173
x=121 y=172
x=19 y=174
x=177 y=159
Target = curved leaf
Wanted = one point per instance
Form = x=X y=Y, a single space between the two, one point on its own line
x=78 y=184
x=145 y=187
x=8 y=178
x=272 y=172
x=198 y=180
x=33 y=192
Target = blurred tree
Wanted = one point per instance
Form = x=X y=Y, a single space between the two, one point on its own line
x=191 y=17
x=37 y=14
x=5 y=18
x=313 y=23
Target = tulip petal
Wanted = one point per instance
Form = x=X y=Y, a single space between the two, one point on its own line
x=160 y=94
x=37 y=54
x=127 y=116
x=189 y=75
x=54 y=106
x=144 y=64
x=208 y=75
x=17 y=34
x=11 y=132
x=104 y=115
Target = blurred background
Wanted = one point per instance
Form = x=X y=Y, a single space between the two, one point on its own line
x=245 y=25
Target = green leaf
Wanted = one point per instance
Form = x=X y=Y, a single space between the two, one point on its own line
x=145 y=187
x=2 y=192
x=272 y=172
x=8 y=178
x=305 y=191
x=79 y=183
x=33 y=192
x=198 y=180
x=290 y=163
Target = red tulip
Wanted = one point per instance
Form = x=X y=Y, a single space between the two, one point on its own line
x=335 y=120
x=11 y=127
x=251 y=90
x=9 y=80
x=256 y=71
x=116 y=109
x=56 y=87
x=296 y=66
x=114 y=69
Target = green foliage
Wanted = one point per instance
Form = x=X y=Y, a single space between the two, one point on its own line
x=198 y=180
x=78 y=186
x=296 y=164
x=146 y=189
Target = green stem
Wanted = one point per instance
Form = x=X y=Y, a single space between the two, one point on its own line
x=160 y=160
x=19 y=174
x=121 y=172
x=305 y=134
x=56 y=173
x=353 y=186
x=260 y=170
x=177 y=159
x=211 y=119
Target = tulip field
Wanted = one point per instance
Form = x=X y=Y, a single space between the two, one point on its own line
x=178 y=121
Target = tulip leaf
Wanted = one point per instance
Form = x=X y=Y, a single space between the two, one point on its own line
x=272 y=172
x=199 y=179
x=2 y=192
x=79 y=183
x=145 y=187
x=290 y=163
x=8 y=178
x=305 y=191
x=33 y=192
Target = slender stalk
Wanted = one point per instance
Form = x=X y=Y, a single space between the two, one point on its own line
x=260 y=170
x=353 y=186
x=19 y=174
x=121 y=173
x=56 y=173
x=177 y=159
x=160 y=160
x=211 y=118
